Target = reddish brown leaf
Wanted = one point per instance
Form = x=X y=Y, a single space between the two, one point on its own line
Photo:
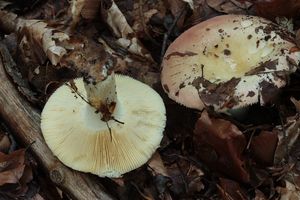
x=38 y=197
x=277 y=8
x=263 y=147
x=176 y=8
x=12 y=166
x=220 y=145
x=228 y=7
x=27 y=176
x=4 y=142
x=157 y=166
x=194 y=179
x=15 y=174
x=185 y=178
x=231 y=190
x=259 y=195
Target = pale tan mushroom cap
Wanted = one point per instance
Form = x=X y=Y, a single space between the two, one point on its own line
x=75 y=134
x=228 y=62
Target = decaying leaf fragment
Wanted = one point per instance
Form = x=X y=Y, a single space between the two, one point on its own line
x=287 y=136
x=15 y=172
x=277 y=8
x=229 y=7
x=230 y=189
x=220 y=144
x=46 y=37
x=263 y=147
x=296 y=102
x=87 y=9
x=126 y=63
x=122 y=30
x=11 y=167
x=290 y=192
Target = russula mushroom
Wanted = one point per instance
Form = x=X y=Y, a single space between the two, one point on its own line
x=229 y=62
x=117 y=131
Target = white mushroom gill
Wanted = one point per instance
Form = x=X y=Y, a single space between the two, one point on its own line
x=77 y=136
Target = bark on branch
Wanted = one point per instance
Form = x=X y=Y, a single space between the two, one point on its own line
x=24 y=121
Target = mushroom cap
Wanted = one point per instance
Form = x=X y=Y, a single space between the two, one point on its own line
x=77 y=136
x=229 y=62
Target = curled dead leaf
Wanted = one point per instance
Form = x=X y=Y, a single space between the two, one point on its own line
x=263 y=147
x=46 y=37
x=123 y=31
x=4 y=142
x=287 y=135
x=15 y=173
x=11 y=167
x=295 y=101
x=230 y=189
x=289 y=192
x=277 y=8
x=157 y=166
x=220 y=144
x=87 y=9
x=228 y=7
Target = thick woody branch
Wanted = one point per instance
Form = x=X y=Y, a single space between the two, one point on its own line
x=24 y=121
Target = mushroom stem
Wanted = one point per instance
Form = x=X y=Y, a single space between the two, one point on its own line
x=102 y=95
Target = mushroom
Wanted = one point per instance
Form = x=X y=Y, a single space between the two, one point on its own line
x=229 y=62
x=106 y=127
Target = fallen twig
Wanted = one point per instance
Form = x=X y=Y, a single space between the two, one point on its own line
x=24 y=122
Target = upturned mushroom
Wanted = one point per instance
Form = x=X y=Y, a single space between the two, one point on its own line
x=106 y=127
x=229 y=62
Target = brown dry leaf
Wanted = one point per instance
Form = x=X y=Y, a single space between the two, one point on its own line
x=122 y=30
x=259 y=195
x=91 y=9
x=49 y=10
x=263 y=147
x=87 y=9
x=231 y=190
x=242 y=4
x=12 y=70
x=186 y=178
x=157 y=166
x=47 y=38
x=4 y=143
x=126 y=63
x=194 y=179
x=149 y=20
x=225 y=6
x=220 y=145
x=75 y=10
x=15 y=174
x=190 y=3
x=290 y=192
x=277 y=8
x=12 y=167
x=297 y=39
x=161 y=176
x=176 y=8
x=287 y=136
x=295 y=101
x=37 y=197
x=201 y=12
x=36 y=32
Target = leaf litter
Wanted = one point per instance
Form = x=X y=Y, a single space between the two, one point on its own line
x=203 y=155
